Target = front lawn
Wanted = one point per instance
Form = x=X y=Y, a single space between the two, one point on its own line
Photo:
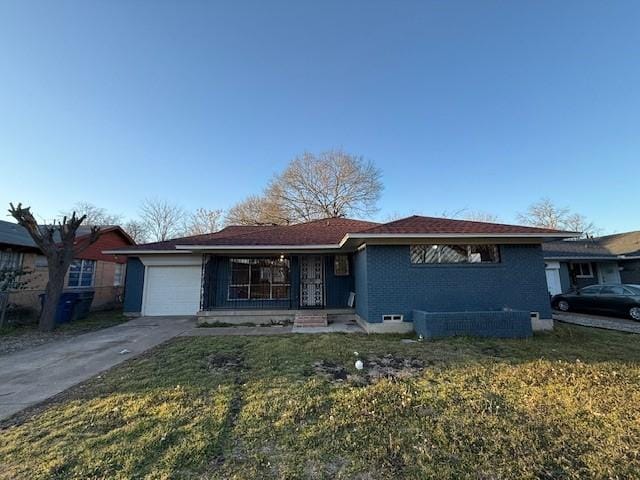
x=561 y=405
x=19 y=337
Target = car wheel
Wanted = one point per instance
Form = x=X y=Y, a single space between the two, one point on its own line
x=635 y=313
x=563 y=305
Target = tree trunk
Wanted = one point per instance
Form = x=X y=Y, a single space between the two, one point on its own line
x=4 y=302
x=52 y=297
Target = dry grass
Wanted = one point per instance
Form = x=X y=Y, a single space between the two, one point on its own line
x=561 y=405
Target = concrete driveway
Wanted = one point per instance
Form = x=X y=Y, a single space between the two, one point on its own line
x=31 y=376
x=587 y=320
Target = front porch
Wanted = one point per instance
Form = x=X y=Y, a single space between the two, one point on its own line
x=276 y=287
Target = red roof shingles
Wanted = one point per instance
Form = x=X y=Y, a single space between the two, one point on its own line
x=327 y=231
x=229 y=231
x=426 y=225
x=331 y=231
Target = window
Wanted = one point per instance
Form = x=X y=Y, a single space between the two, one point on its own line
x=612 y=290
x=632 y=290
x=582 y=270
x=454 y=254
x=341 y=265
x=41 y=262
x=259 y=279
x=593 y=290
x=10 y=260
x=81 y=273
x=118 y=274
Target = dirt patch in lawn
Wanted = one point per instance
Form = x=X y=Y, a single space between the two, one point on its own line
x=375 y=368
x=220 y=362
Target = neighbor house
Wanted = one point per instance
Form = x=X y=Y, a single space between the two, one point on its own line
x=90 y=270
x=378 y=273
x=572 y=264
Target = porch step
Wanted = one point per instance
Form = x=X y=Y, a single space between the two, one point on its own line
x=310 y=319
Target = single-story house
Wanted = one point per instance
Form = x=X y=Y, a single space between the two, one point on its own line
x=92 y=269
x=572 y=264
x=380 y=273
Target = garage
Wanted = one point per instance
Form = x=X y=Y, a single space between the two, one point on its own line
x=172 y=290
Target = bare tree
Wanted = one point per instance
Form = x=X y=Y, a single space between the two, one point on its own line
x=480 y=216
x=94 y=215
x=472 y=215
x=58 y=243
x=162 y=220
x=579 y=223
x=136 y=231
x=204 y=220
x=331 y=184
x=546 y=214
x=257 y=210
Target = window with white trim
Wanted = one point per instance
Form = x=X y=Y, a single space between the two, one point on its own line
x=118 y=274
x=259 y=278
x=582 y=270
x=81 y=273
x=450 y=254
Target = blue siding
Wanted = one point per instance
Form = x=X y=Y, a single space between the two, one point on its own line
x=395 y=286
x=361 y=285
x=133 y=286
x=337 y=287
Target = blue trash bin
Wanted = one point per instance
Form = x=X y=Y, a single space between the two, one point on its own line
x=66 y=304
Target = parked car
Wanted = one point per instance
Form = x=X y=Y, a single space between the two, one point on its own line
x=611 y=299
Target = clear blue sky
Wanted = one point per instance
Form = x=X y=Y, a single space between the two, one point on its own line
x=480 y=104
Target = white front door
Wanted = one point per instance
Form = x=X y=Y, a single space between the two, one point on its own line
x=552 y=270
x=311 y=281
x=608 y=272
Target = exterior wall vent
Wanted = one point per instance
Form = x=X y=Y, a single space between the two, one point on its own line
x=392 y=318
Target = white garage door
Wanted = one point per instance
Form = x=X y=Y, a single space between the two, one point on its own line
x=172 y=290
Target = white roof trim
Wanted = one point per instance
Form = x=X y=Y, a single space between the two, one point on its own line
x=140 y=252
x=572 y=258
x=348 y=236
x=365 y=235
x=257 y=247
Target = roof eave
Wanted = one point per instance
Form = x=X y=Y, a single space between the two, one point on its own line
x=578 y=257
x=257 y=247
x=140 y=252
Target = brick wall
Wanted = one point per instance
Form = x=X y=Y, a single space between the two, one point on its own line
x=107 y=241
x=511 y=324
x=395 y=286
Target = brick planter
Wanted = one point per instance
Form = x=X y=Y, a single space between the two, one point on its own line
x=501 y=324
